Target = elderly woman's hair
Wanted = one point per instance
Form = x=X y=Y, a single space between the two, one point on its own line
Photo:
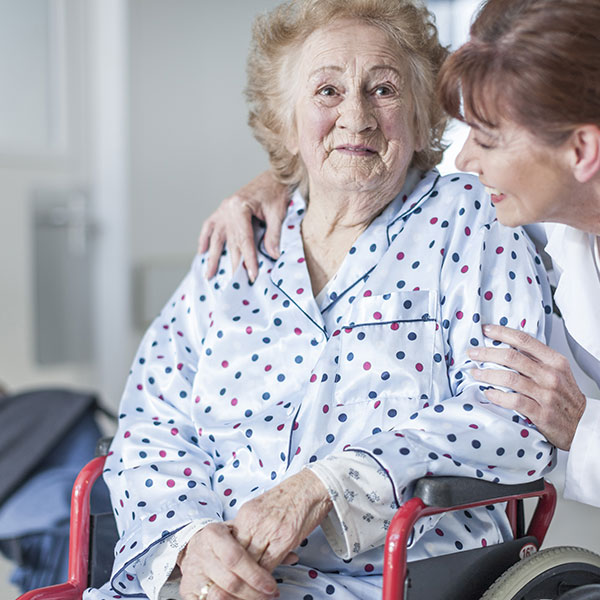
x=533 y=62
x=276 y=44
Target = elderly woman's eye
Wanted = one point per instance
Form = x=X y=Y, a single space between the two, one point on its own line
x=384 y=90
x=327 y=91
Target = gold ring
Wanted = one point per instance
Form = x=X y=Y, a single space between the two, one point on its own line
x=204 y=590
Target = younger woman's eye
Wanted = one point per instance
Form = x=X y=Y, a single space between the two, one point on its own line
x=482 y=145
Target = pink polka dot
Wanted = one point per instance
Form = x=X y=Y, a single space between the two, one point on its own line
x=300 y=291
x=234 y=401
x=227 y=492
x=224 y=364
x=419 y=367
x=139 y=386
x=524 y=433
x=366 y=366
x=280 y=427
x=179 y=366
x=464 y=269
x=377 y=404
x=336 y=332
x=268 y=368
x=467 y=231
x=523 y=322
x=162 y=453
x=171 y=483
x=313 y=378
x=529 y=280
x=326 y=408
x=394 y=326
x=484 y=542
x=248 y=329
x=313 y=574
x=488 y=295
x=152 y=519
x=499 y=250
x=400 y=255
x=459 y=314
x=174 y=431
x=439 y=531
x=433 y=220
x=468 y=186
x=530 y=473
x=377 y=316
x=197 y=399
x=301 y=259
x=127 y=434
x=297 y=331
x=368 y=293
x=245 y=302
x=369 y=567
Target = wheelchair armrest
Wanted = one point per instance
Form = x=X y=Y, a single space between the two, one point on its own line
x=102 y=445
x=457 y=491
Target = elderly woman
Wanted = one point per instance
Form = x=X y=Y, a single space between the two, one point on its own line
x=270 y=429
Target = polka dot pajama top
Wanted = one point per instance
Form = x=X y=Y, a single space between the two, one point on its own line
x=237 y=386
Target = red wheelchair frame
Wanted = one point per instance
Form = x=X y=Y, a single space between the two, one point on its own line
x=395 y=564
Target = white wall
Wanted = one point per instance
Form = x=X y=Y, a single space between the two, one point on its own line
x=190 y=144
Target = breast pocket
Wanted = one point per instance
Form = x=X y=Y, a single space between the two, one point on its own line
x=386 y=348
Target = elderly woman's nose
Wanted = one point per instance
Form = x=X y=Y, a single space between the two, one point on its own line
x=356 y=114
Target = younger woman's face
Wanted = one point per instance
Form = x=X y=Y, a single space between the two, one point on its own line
x=526 y=177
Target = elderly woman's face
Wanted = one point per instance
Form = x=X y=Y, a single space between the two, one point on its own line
x=354 y=112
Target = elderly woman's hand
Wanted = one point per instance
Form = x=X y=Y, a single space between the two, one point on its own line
x=275 y=523
x=214 y=556
x=263 y=198
x=546 y=391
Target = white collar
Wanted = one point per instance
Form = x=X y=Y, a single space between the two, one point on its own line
x=578 y=289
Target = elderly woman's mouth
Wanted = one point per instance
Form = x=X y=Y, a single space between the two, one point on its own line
x=356 y=150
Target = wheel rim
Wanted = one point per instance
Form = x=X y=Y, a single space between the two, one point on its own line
x=562 y=579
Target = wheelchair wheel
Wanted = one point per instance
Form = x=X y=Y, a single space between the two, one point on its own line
x=546 y=575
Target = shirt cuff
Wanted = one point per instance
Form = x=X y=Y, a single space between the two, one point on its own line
x=155 y=567
x=363 y=502
x=582 y=481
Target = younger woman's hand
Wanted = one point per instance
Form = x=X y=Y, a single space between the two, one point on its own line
x=263 y=198
x=545 y=389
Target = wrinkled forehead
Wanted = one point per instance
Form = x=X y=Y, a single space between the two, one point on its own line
x=349 y=46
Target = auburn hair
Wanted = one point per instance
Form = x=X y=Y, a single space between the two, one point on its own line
x=533 y=62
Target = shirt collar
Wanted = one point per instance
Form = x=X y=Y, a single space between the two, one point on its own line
x=290 y=273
